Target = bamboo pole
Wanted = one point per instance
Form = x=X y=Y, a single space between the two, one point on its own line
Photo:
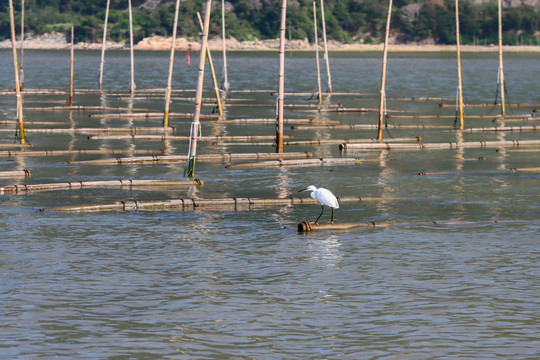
x=20 y=124
x=243 y=138
x=130 y=130
x=22 y=46
x=382 y=99
x=204 y=157
x=70 y=100
x=211 y=63
x=72 y=185
x=501 y=73
x=281 y=78
x=366 y=127
x=319 y=96
x=76 y=152
x=14 y=174
x=503 y=129
x=224 y=45
x=301 y=162
x=316 y=142
x=104 y=45
x=171 y=61
x=326 y=48
x=193 y=204
x=460 y=89
x=131 y=47
x=190 y=165
x=450 y=145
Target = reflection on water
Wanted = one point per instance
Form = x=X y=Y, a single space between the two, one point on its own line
x=242 y=283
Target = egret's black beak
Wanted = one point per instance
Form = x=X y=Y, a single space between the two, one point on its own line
x=304 y=189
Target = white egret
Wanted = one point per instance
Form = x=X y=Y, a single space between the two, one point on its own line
x=325 y=197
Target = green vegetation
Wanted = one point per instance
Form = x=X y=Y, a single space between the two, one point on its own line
x=346 y=20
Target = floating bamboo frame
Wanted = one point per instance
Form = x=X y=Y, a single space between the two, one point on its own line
x=130 y=130
x=450 y=145
x=72 y=185
x=36 y=153
x=503 y=129
x=194 y=204
x=203 y=157
x=367 y=127
x=317 y=142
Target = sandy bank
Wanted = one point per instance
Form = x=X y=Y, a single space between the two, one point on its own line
x=58 y=41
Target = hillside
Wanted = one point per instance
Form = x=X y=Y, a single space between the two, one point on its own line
x=347 y=21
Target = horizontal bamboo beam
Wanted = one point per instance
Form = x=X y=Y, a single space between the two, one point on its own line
x=272 y=121
x=8 y=146
x=517 y=150
x=307 y=226
x=10 y=153
x=274 y=93
x=183 y=138
x=298 y=162
x=315 y=142
x=149 y=115
x=82 y=108
x=129 y=130
x=428 y=98
x=531 y=169
x=367 y=127
x=502 y=129
x=15 y=174
x=183 y=158
x=22 y=189
x=489 y=105
x=450 y=145
x=193 y=204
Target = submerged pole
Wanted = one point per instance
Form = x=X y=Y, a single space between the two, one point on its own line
x=281 y=79
x=382 y=99
x=225 y=79
x=104 y=45
x=501 y=74
x=319 y=96
x=171 y=61
x=190 y=165
x=131 y=48
x=16 y=74
x=22 y=45
x=460 y=89
x=209 y=54
x=70 y=101
x=326 y=48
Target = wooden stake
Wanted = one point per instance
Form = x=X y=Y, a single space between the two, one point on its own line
x=317 y=53
x=190 y=166
x=131 y=48
x=211 y=63
x=70 y=100
x=460 y=89
x=281 y=78
x=382 y=99
x=326 y=49
x=16 y=74
x=225 y=79
x=171 y=61
x=104 y=45
x=501 y=74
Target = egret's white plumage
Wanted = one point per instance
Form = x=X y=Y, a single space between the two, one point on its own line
x=325 y=198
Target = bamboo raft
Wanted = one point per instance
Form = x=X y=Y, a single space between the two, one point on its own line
x=503 y=128
x=202 y=157
x=15 y=174
x=72 y=185
x=300 y=162
x=450 y=145
x=194 y=204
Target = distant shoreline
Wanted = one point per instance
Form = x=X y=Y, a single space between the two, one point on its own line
x=160 y=43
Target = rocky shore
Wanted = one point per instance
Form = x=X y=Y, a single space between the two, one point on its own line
x=58 y=41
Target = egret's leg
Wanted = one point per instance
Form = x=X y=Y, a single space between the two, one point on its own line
x=317 y=221
x=332 y=218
